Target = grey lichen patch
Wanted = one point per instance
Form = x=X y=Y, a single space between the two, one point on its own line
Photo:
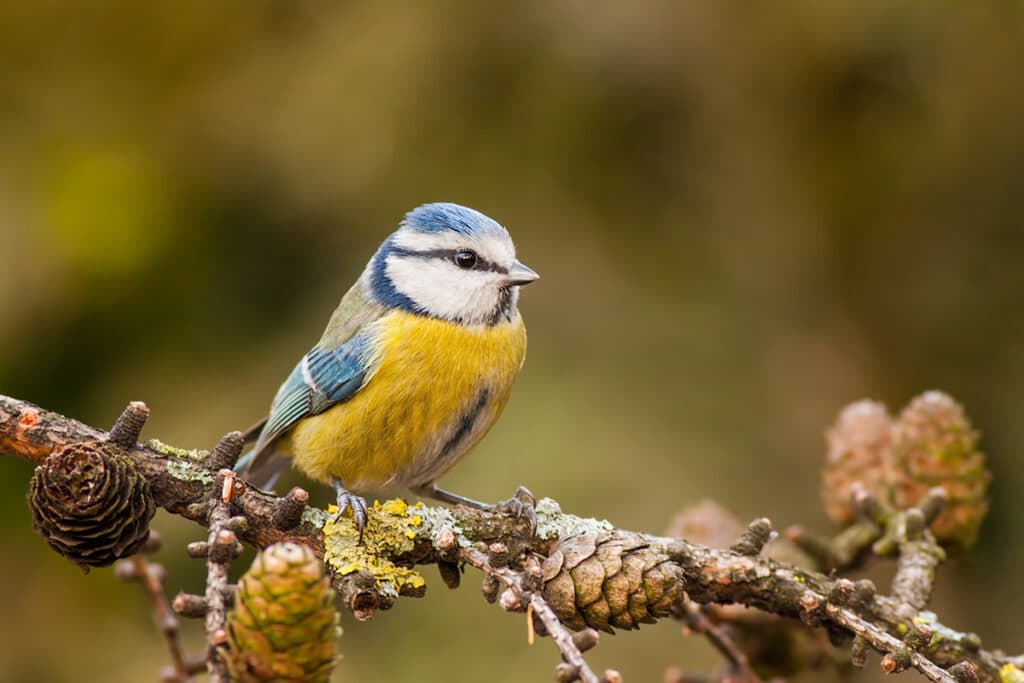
x=194 y=454
x=940 y=632
x=183 y=464
x=553 y=523
x=182 y=469
x=787 y=574
x=437 y=518
x=315 y=517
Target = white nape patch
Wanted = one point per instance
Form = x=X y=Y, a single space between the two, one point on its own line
x=444 y=290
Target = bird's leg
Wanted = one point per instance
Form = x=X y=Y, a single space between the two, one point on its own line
x=347 y=499
x=520 y=505
x=434 y=493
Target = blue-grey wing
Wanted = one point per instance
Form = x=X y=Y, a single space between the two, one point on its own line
x=321 y=380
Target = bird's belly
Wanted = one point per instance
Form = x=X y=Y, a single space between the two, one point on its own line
x=437 y=390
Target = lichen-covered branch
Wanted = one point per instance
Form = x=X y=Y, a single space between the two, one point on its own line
x=222 y=546
x=589 y=573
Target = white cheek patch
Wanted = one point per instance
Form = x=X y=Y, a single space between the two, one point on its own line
x=442 y=289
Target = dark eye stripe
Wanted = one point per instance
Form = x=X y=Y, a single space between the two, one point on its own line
x=449 y=254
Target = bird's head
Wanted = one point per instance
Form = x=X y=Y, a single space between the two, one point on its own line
x=450 y=262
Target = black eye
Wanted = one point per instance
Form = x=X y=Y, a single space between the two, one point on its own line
x=466 y=259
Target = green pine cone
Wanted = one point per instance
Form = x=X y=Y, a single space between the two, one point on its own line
x=284 y=625
x=935 y=445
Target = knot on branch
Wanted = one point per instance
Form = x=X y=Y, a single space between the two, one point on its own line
x=610 y=580
x=284 y=624
x=754 y=538
x=91 y=504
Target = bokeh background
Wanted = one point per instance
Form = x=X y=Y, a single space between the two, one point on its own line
x=745 y=216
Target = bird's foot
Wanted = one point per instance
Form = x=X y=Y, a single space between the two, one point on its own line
x=523 y=504
x=346 y=500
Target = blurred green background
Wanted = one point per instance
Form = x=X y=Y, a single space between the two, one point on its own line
x=745 y=216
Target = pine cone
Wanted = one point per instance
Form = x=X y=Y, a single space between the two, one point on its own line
x=706 y=522
x=91 y=504
x=859 y=450
x=935 y=445
x=284 y=624
x=609 y=580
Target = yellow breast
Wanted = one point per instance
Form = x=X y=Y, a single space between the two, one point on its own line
x=437 y=389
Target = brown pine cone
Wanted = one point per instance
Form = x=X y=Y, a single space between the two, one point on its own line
x=609 y=580
x=859 y=450
x=91 y=504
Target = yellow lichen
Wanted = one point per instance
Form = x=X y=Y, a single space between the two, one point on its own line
x=1011 y=674
x=391 y=529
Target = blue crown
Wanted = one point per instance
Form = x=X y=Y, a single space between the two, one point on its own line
x=433 y=218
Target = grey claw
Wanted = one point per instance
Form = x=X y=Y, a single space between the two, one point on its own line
x=526 y=496
x=522 y=504
x=358 y=504
x=531 y=515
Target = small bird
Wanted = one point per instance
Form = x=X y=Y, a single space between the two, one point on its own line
x=413 y=369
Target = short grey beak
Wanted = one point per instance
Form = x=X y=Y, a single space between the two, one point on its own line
x=520 y=274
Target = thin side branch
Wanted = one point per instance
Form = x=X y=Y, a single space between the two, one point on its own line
x=222 y=545
x=698 y=622
x=150 y=577
x=883 y=642
x=571 y=654
x=518 y=594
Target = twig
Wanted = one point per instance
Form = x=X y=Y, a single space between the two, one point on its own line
x=150 y=578
x=195 y=665
x=563 y=639
x=698 y=622
x=518 y=596
x=883 y=642
x=221 y=546
x=920 y=554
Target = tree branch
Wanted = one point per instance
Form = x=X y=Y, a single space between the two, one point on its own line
x=583 y=570
x=222 y=545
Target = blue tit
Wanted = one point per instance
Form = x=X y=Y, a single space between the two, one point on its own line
x=413 y=369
